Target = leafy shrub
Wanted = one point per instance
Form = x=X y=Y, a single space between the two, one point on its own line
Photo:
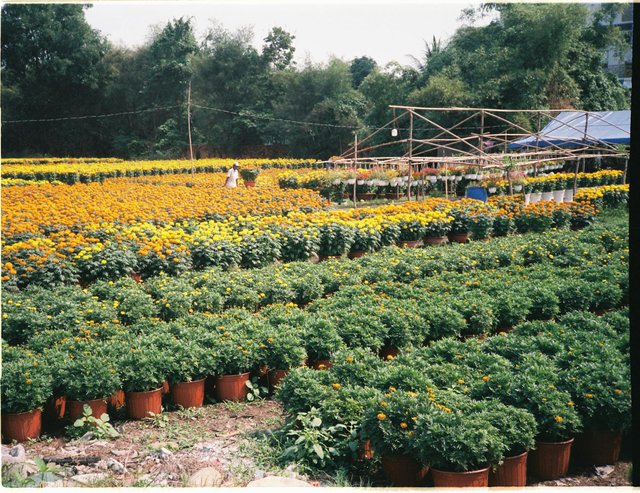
x=284 y=349
x=87 y=377
x=304 y=389
x=321 y=338
x=26 y=385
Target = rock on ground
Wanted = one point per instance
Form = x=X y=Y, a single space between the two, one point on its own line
x=209 y=476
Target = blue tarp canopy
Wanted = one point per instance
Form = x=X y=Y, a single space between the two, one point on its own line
x=569 y=129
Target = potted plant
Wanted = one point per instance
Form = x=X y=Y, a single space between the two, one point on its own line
x=26 y=386
x=459 y=226
x=390 y=427
x=335 y=240
x=411 y=230
x=249 y=176
x=234 y=358
x=459 y=447
x=188 y=368
x=436 y=227
x=559 y=186
x=536 y=190
x=321 y=341
x=480 y=225
x=142 y=371
x=284 y=351
x=88 y=379
x=366 y=238
x=547 y=190
x=600 y=385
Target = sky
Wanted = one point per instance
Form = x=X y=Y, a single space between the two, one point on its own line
x=384 y=31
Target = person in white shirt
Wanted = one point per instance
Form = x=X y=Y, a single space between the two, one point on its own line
x=232 y=176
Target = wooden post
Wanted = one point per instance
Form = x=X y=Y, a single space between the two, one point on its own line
x=355 y=168
x=446 y=180
x=481 y=133
x=410 y=154
x=575 y=178
x=193 y=169
x=626 y=166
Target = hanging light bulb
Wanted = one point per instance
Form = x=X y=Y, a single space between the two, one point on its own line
x=394 y=132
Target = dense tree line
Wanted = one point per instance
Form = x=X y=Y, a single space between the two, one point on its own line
x=55 y=66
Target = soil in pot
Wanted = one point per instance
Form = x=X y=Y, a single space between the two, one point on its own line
x=470 y=479
x=21 y=426
x=75 y=409
x=512 y=472
x=550 y=460
x=402 y=470
x=188 y=394
x=232 y=387
x=597 y=448
x=140 y=404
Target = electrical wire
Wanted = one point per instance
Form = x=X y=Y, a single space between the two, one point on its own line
x=84 y=117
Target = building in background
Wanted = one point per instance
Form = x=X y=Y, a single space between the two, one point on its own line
x=618 y=65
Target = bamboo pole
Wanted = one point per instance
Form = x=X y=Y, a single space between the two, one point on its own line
x=355 y=169
x=193 y=168
x=410 y=154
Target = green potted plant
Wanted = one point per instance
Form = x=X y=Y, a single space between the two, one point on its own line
x=390 y=426
x=187 y=370
x=366 y=238
x=26 y=386
x=88 y=379
x=459 y=447
x=459 y=232
x=411 y=230
x=481 y=225
x=436 y=228
x=335 y=240
x=321 y=340
x=142 y=371
x=234 y=355
x=284 y=351
x=249 y=176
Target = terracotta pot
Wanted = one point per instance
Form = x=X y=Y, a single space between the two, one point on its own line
x=250 y=184
x=140 y=404
x=321 y=364
x=165 y=387
x=55 y=408
x=356 y=254
x=389 y=351
x=75 y=408
x=188 y=394
x=322 y=258
x=459 y=237
x=403 y=470
x=474 y=479
x=512 y=472
x=435 y=240
x=365 y=450
x=274 y=378
x=598 y=448
x=116 y=401
x=232 y=387
x=410 y=244
x=550 y=460
x=21 y=426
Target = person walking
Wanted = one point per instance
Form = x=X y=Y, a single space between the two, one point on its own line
x=232 y=176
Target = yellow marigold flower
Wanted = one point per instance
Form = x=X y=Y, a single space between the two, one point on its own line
x=403 y=425
x=381 y=416
x=389 y=357
x=349 y=359
x=392 y=389
x=589 y=396
x=485 y=378
x=559 y=419
x=460 y=381
x=618 y=391
x=29 y=381
x=336 y=385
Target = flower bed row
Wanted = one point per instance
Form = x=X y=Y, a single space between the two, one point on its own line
x=87 y=171
x=90 y=359
x=110 y=252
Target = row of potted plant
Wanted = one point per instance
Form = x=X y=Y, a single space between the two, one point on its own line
x=255 y=242
x=383 y=322
x=480 y=409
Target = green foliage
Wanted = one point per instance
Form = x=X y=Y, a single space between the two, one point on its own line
x=99 y=427
x=334 y=239
x=284 y=349
x=26 y=384
x=86 y=377
x=142 y=366
x=321 y=338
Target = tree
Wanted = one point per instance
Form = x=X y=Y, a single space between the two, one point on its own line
x=360 y=68
x=52 y=67
x=278 y=49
